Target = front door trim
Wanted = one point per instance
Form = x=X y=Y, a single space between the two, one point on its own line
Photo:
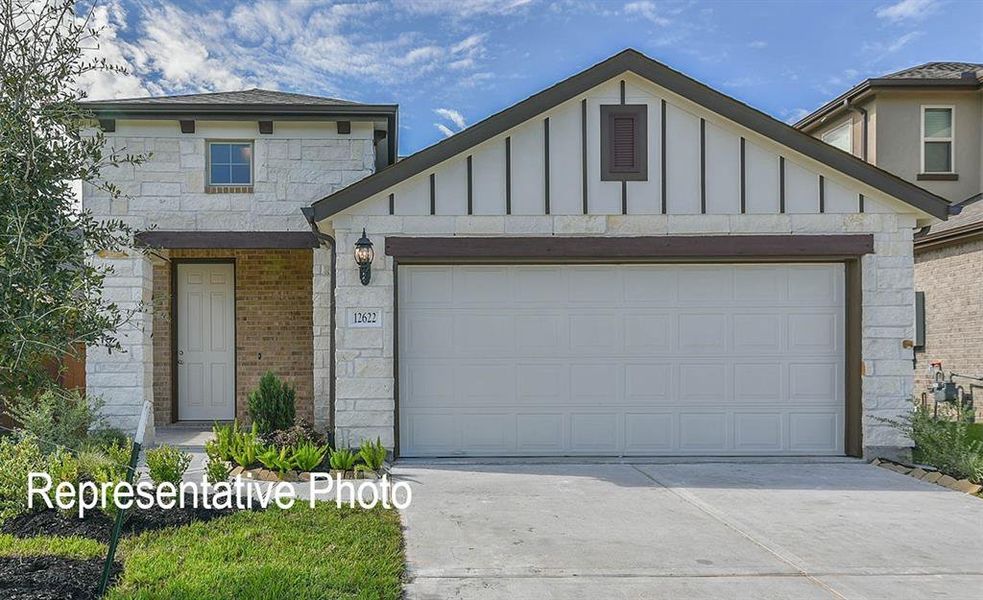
x=175 y=404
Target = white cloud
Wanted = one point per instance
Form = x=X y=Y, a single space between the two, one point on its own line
x=907 y=9
x=647 y=9
x=878 y=50
x=465 y=9
x=451 y=115
x=107 y=19
x=757 y=44
x=794 y=115
x=444 y=129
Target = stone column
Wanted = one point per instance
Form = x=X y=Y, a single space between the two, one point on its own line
x=322 y=338
x=124 y=378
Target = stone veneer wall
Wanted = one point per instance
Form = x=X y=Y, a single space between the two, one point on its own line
x=364 y=358
x=950 y=277
x=296 y=165
x=273 y=318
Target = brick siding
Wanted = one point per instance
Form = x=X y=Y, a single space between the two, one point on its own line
x=274 y=326
x=950 y=278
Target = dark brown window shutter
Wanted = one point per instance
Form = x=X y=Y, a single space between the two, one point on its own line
x=623 y=143
x=624 y=155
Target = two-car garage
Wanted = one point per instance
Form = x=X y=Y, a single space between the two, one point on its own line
x=629 y=359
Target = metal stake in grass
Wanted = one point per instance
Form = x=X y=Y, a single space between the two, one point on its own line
x=121 y=513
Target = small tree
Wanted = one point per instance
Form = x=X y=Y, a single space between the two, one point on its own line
x=271 y=405
x=51 y=298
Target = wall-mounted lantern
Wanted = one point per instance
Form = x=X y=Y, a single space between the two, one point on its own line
x=363 y=258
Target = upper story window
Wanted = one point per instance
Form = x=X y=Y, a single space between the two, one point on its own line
x=624 y=144
x=840 y=137
x=230 y=165
x=937 y=138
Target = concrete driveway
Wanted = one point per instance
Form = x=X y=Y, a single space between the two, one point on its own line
x=707 y=530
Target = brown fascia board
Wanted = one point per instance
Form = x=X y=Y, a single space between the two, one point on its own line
x=659 y=74
x=949 y=236
x=227 y=240
x=814 y=118
x=139 y=110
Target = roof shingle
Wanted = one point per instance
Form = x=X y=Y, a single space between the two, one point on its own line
x=939 y=70
x=254 y=96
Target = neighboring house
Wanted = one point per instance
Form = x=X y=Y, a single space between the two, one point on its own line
x=925 y=124
x=238 y=282
x=627 y=263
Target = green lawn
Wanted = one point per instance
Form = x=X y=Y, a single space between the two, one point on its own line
x=302 y=553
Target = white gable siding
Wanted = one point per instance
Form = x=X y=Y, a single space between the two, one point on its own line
x=684 y=182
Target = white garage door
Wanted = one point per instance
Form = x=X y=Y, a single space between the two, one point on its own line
x=621 y=360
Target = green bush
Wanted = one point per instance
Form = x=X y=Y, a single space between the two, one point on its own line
x=166 y=463
x=271 y=404
x=112 y=468
x=308 y=456
x=225 y=439
x=373 y=455
x=276 y=459
x=343 y=459
x=18 y=458
x=943 y=442
x=216 y=470
x=57 y=417
x=245 y=447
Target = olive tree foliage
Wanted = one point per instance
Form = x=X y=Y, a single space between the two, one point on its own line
x=51 y=298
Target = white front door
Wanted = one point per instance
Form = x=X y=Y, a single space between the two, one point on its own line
x=205 y=341
x=621 y=360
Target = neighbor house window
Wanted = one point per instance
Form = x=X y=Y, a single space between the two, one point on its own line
x=840 y=137
x=230 y=164
x=624 y=143
x=937 y=147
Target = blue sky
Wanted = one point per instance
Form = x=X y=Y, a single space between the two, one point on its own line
x=449 y=64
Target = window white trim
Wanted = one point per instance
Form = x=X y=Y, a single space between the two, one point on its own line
x=849 y=134
x=951 y=138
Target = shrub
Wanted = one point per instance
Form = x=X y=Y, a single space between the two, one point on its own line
x=343 y=459
x=944 y=441
x=113 y=469
x=64 y=467
x=271 y=404
x=245 y=447
x=216 y=470
x=57 y=417
x=295 y=436
x=225 y=438
x=308 y=456
x=166 y=463
x=373 y=455
x=276 y=459
x=18 y=458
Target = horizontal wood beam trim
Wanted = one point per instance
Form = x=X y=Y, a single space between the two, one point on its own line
x=245 y=240
x=631 y=248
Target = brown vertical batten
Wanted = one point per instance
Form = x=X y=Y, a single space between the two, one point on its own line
x=663 y=159
x=470 y=190
x=583 y=152
x=546 y=165
x=395 y=359
x=622 y=91
x=853 y=426
x=860 y=202
x=743 y=178
x=703 y=166
x=392 y=204
x=781 y=184
x=508 y=175
x=624 y=197
x=433 y=193
x=822 y=194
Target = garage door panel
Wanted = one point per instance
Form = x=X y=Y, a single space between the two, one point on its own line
x=539 y=433
x=649 y=333
x=594 y=432
x=649 y=432
x=703 y=333
x=616 y=360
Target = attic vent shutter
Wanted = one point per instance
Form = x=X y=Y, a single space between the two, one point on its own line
x=624 y=155
x=623 y=143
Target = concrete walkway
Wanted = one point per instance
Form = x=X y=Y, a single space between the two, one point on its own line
x=706 y=530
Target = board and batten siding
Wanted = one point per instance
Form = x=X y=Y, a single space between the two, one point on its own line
x=701 y=173
x=747 y=183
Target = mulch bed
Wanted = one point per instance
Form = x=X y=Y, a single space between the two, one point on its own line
x=51 y=578
x=98 y=526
